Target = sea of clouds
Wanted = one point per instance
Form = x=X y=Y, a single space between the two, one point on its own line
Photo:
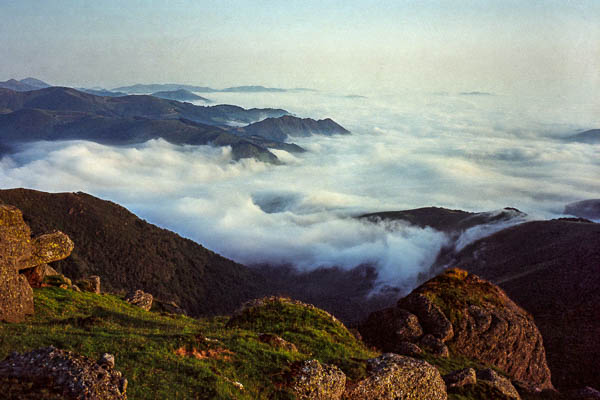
x=475 y=153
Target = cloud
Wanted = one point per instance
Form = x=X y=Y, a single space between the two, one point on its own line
x=405 y=152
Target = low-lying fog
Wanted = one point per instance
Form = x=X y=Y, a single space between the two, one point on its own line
x=473 y=152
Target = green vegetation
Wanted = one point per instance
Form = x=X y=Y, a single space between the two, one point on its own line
x=166 y=356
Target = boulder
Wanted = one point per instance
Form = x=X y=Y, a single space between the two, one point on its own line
x=311 y=380
x=386 y=328
x=277 y=342
x=90 y=284
x=392 y=377
x=19 y=252
x=499 y=383
x=64 y=373
x=460 y=378
x=434 y=346
x=140 y=299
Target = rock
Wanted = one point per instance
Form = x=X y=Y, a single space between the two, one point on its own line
x=90 y=284
x=168 y=307
x=311 y=380
x=107 y=359
x=19 y=252
x=499 y=383
x=277 y=342
x=71 y=375
x=460 y=378
x=487 y=325
x=407 y=349
x=434 y=346
x=57 y=280
x=49 y=247
x=140 y=299
x=430 y=316
x=36 y=275
x=386 y=328
x=75 y=288
x=397 y=377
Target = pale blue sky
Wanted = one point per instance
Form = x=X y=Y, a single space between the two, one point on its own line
x=344 y=45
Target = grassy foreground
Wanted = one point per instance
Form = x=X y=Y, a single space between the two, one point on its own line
x=166 y=356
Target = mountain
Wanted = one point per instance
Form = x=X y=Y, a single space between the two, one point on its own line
x=591 y=136
x=550 y=268
x=129 y=253
x=152 y=88
x=252 y=89
x=280 y=128
x=102 y=92
x=443 y=219
x=68 y=99
x=24 y=85
x=584 y=209
x=36 y=83
x=179 y=95
x=66 y=114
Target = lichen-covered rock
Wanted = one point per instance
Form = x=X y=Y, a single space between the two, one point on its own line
x=386 y=328
x=395 y=377
x=277 y=342
x=140 y=299
x=17 y=252
x=311 y=380
x=460 y=378
x=90 y=284
x=499 y=383
x=47 y=248
x=431 y=317
x=66 y=373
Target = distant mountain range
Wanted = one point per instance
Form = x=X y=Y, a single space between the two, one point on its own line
x=180 y=95
x=152 y=88
x=58 y=113
x=591 y=136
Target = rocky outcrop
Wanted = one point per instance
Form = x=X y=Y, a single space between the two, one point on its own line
x=475 y=319
x=140 y=299
x=20 y=253
x=67 y=374
x=396 y=377
x=311 y=380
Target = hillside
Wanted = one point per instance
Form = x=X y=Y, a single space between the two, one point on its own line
x=68 y=99
x=281 y=128
x=130 y=253
x=591 y=136
x=179 y=95
x=550 y=268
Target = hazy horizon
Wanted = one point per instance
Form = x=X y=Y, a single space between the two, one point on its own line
x=500 y=46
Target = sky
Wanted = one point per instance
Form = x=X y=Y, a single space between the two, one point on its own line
x=358 y=46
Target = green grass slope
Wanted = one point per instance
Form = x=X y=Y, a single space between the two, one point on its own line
x=167 y=356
